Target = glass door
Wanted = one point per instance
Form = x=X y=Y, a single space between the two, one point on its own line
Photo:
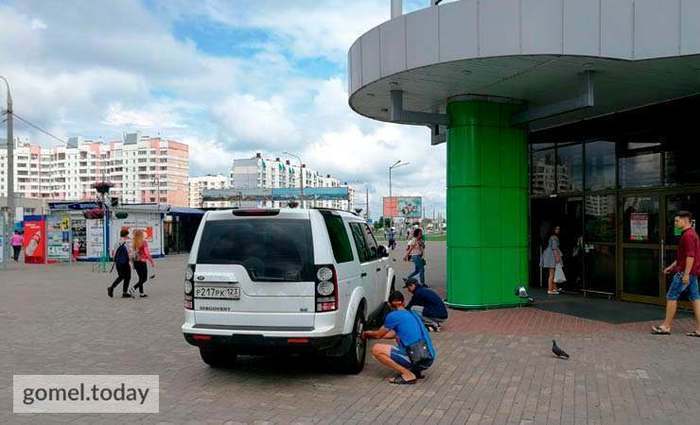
x=642 y=248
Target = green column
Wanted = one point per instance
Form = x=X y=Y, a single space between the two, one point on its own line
x=487 y=205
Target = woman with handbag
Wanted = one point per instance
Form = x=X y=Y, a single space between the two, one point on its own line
x=551 y=260
x=141 y=255
x=414 y=253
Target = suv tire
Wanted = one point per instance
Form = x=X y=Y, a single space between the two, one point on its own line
x=353 y=361
x=218 y=357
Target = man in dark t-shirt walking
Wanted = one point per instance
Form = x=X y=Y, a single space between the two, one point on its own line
x=685 y=280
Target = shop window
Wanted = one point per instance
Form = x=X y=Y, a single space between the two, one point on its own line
x=686 y=202
x=641 y=219
x=542 y=175
x=681 y=167
x=600 y=165
x=600 y=218
x=640 y=170
x=570 y=168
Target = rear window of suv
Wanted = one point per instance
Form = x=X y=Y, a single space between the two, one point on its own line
x=269 y=249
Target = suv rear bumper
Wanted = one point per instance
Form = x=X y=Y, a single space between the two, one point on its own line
x=261 y=344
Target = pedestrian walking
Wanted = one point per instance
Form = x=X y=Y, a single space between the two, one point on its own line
x=141 y=255
x=16 y=243
x=686 y=270
x=414 y=253
x=551 y=259
x=391 y=237
x=121 y=258
x=414 y=352
x=427 y=304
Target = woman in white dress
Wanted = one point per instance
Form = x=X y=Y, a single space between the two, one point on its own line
x=550 y=258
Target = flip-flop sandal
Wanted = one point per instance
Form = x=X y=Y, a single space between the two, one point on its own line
x=418 y=376
x=694 y=333
x=398 y=380
x=658 y=330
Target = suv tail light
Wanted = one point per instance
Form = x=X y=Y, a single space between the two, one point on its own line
x=189 y=287
x=326 y=288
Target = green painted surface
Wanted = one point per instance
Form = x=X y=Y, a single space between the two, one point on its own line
x=486 y=205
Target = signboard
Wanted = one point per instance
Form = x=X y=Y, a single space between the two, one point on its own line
x=639 y=226
x=94 y=238
x=277 y=194
x=72 y=206
x=311 y=194
x=58 y=238
x=150 y=223
x=403 y=206
x=79 y=233
x=34 y=242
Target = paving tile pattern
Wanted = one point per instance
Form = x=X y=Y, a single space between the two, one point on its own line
x=494 y=367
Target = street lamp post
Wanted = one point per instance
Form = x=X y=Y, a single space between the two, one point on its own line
x=10 y=225
x=397 y=164
x=301 y=177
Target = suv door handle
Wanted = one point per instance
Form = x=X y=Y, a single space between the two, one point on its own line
x=364 y=274
x=379 y=269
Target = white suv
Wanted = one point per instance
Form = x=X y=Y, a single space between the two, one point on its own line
x=268 y=280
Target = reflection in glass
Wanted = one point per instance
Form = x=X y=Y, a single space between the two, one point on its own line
x=641 y=219
x=641 y=271
x=600 y=218
x=570 y=169
x=542 y=172
x=641 y=170
x=682 y=167
x=688 y=202
x=600 y=165
x=600 y=267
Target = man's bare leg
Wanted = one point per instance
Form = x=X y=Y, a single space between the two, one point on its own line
x=696 y=310
x=382 y=352
x=671 y=307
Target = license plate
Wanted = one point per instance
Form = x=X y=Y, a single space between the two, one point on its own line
x=217 y=292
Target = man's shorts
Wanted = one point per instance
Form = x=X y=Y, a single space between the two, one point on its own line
x=677 y=288
x=400 y=356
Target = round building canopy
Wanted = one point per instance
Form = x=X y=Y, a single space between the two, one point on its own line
x=539 y=52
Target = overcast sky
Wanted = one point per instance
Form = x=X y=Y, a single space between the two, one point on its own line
x=230 y=78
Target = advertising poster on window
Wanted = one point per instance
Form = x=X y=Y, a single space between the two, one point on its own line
x=34 y=242
x=58 y=238
x=639 y=226
x=79 y=233
x=149 y=223
x=95 y=238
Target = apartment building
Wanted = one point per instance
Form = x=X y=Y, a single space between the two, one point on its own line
x=143 y=169
x=198 y=184
x=261 y=174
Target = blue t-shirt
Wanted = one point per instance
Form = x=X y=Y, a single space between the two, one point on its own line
x=432 y=304
x=409 y=329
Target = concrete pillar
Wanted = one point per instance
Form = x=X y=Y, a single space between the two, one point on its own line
x=487 y=205
x=396 y=8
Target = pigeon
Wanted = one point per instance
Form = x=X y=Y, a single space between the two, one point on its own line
x=558 y=351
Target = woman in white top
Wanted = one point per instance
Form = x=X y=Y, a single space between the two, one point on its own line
x=414 y=253
x=550 y=258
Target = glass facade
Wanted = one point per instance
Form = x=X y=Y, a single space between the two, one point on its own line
x=613 y=185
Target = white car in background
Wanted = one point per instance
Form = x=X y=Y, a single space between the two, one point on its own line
x=271 y=280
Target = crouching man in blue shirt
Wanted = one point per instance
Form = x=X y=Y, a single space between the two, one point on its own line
x=408 y=330
x=431 y=307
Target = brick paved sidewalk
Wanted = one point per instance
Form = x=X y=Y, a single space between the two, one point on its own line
x=494 y=367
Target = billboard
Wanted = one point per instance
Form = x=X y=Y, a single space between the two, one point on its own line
x=403 y=206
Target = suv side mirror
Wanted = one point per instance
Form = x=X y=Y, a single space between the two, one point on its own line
x=383 y=252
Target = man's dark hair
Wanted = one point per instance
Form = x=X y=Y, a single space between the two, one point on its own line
x=685 y=214
x=396 y=296
x=124 y=233
x=416 y=232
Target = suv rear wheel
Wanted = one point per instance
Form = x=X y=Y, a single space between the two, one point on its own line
x=218 y=357
x=353 y=361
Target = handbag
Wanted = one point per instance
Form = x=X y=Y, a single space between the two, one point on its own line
x=559 y=276
x=418 y=352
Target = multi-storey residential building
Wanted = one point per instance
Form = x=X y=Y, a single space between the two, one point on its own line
x=258 y=173
x=142 y=169
x=198 y=184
